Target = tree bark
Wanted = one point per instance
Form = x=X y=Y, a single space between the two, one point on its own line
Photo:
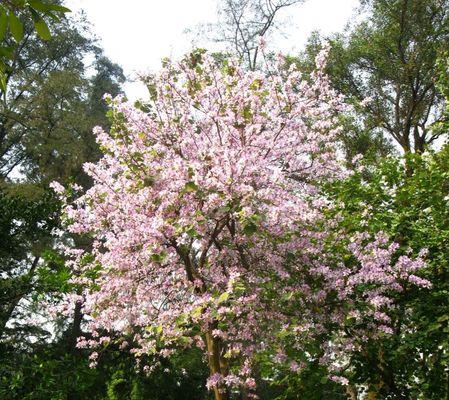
x=217 y=365
x=75 y=330
x=447 y=394
x=352 y=392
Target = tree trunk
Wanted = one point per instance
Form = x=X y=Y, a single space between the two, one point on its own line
x=419 y=140
x=352 y=392
x=447 y=394
x=217 y=365
x=75 y=330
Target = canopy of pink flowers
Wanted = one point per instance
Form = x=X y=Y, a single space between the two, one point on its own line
x=201 y=213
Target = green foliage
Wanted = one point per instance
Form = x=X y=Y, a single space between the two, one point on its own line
x=413 y=210
x=309 y=382
x=182 y=378
x=441 y=126
x=46 y=118
x=386 y=66
x=14 y=14
x=312 y=383
x=360 y=134
x=26 y=222
x=46 y=373
x=43 y=371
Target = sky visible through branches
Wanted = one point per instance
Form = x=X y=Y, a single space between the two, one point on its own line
x=139 y=40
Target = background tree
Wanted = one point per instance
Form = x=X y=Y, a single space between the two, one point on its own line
x=13 y=15
x=392 y=68
x=241 y=23
x=43 y=135
x=411 y=363
x=47 y=114
x=386 y=67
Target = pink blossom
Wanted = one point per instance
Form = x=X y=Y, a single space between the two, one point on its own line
x=57 y=187
x=213 y=381
x=261 y=43
x=207 y=204
x=340 y=379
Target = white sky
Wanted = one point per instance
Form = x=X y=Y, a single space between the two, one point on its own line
x=137 y=34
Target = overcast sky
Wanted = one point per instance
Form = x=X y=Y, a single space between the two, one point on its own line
x=137 y=34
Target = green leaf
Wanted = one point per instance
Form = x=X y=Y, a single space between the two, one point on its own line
x=53 y=16
x=16 y=27
x=223 y=297
x=249 y=228
x=18 y=3
x=228 y=354
x=7 y=52
x=190 y=187
x=42 y=29
x=196 y=312
x=3 y=23
x=158 y=257
x=39 y=5
x=45 y=8
x=192 y=233
x=148 y=181
x=443 y=318
x=2 y=81
x=57 y=7
x=433 y=327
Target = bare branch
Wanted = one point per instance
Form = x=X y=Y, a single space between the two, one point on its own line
x=242 y=22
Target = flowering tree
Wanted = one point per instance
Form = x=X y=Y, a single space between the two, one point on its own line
x=202 y=211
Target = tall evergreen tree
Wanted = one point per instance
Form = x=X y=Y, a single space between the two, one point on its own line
x=386 y=66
